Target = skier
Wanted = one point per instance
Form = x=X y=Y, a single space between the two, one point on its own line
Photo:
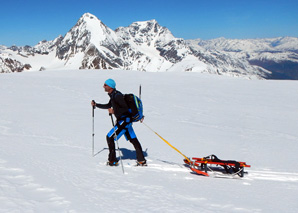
x=123 y=126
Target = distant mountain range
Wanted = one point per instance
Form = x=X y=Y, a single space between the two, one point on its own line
x=147 y=46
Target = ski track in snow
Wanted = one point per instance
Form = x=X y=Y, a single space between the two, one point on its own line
x=273 y=176
x=250 y=175
x=20 y=193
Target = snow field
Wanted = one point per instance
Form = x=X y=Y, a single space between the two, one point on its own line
x=46 y=161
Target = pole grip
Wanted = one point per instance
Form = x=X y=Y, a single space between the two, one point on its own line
x=93 y=107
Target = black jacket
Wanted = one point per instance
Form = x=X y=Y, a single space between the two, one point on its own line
x=118 y=104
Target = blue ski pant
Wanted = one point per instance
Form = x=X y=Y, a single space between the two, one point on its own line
x=123 y=127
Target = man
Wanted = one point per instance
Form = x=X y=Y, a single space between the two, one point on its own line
x=123 y=126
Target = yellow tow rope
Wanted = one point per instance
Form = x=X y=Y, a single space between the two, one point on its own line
x=167 y=143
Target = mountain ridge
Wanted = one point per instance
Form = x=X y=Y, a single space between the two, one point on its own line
x=147 y=46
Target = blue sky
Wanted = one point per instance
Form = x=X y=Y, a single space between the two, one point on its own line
x=26 y=22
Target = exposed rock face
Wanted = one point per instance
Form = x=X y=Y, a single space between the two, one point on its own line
x=147 y=46
x=10 y=65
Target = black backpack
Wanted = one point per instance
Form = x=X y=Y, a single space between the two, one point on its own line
x=135 y=106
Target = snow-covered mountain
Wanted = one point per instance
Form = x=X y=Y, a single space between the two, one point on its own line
x=278 y=55
x=147 y=46
x=91 y=43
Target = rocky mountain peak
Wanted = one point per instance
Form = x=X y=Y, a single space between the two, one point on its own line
x=88 y=32
x=88 y=16
x=145 y=32
x=148 y=46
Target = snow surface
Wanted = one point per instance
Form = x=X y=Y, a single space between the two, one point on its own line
x=47 y=164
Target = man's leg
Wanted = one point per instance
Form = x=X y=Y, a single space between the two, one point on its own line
x=140 y=156
x=112 y=151
x=131 y=136
x=120 y=130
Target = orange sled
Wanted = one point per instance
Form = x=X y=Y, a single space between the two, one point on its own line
x=200 y=165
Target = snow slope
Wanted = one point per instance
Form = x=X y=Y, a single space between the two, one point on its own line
x=46 y=162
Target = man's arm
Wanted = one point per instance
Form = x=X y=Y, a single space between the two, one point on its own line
x=101 y=106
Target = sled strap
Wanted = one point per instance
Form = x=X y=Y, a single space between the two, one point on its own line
x=167 y=143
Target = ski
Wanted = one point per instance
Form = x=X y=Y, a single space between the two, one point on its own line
x=112 y=163
x=141 y=164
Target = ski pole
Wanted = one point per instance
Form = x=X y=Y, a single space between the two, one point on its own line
x=168 y=143
x=93 y=107
x=140 y=91
x=116 y=138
